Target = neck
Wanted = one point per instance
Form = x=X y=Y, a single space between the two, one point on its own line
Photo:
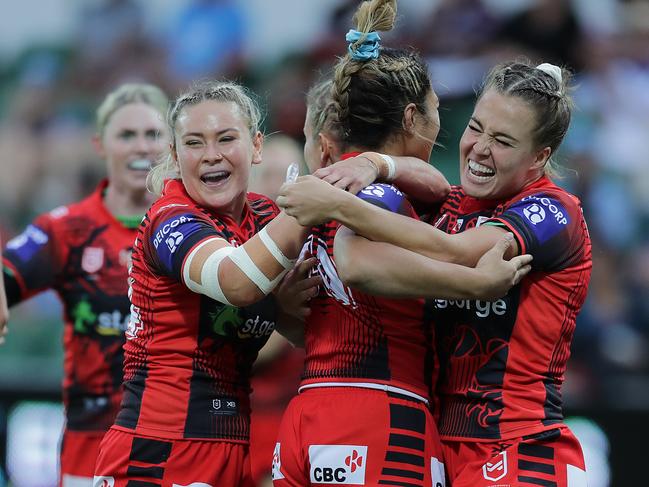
x=393 y=146
x=127 y=203
x=235 y=210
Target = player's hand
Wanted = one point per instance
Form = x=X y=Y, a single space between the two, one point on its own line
x=311 y=201
x=352 y=174
x=500 y=274
x=297 y=288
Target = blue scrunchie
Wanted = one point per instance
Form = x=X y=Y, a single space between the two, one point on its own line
x=368 y=49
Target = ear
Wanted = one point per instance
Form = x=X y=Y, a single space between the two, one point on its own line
x=541 y=158
x=257 y=144
x=98 y=144
x=409 y=115
x=328 y=150
x=174 y=156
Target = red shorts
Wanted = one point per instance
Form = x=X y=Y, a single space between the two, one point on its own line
x=348 y=435
x=263 y=435
x=79 y=450
x=552 y=458
x=129 y=459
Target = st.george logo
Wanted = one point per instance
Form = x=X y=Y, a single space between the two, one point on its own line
x=496 y=469
x=92 y=259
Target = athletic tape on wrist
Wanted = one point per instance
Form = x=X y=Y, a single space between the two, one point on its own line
x=209 y=273
x=392 y=167
x=272 y=247
x=242 y=260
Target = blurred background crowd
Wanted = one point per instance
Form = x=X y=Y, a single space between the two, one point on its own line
x=58 y=58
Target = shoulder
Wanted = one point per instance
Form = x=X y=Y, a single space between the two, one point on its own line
x=455 y=197
x=262 y=205
x=548 y=199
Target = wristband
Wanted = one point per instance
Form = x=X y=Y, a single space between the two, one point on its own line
x=392 y=167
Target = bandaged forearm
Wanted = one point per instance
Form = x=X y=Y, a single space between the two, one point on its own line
x=272 y=247
x=242 y=259
x=209 y=285
x=209 y=275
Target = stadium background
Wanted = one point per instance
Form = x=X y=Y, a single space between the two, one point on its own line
x=59 y=57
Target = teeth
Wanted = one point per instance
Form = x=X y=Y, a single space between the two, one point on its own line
x=215 y=176
x=140 y=165
x=481 y=169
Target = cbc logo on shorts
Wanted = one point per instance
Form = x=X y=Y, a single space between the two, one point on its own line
x=101 y=481
x=338 y=464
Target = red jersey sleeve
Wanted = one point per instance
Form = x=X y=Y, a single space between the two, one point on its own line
x=31 y=261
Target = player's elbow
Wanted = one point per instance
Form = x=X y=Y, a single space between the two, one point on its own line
x=440 y=188
x=351 y=276
x=243 y=294
x=352 y=269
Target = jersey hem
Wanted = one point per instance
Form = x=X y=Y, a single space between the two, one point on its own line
x=166 y=435
x=507 y=435
x=356 y=381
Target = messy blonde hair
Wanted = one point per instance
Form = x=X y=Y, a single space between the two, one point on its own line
x=226 y=91
x=128 y=94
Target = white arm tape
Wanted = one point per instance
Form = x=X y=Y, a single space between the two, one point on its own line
x=272 y=247
x=209 y=273
x=392 y=167
x=242 y=260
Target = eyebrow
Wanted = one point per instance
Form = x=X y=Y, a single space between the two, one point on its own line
x=201 y=134
x=497 y=134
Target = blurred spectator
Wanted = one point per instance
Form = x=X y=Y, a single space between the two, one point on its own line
x=547 y=29
x=205 y=39
x=280 y=151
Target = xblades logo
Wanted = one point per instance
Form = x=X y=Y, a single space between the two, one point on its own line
x=354 y=461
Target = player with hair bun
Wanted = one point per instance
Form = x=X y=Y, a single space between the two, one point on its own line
x=502 y=361
x=362 y=415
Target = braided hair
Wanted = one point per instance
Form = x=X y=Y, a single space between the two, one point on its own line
x=369 y=96
x=545 y=90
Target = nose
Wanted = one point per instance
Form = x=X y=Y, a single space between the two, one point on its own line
x=212 y=154
x=482 y=145
x=145 y=145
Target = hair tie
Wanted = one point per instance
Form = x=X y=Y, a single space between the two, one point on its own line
x=552 y=70
x=366 y=50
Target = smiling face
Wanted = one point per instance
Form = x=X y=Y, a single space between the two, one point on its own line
x=133 y=139
x=497 y=152
x=214 y=152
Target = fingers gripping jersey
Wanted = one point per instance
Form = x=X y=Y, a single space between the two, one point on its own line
x=353 y=336
x=503 y=362
x=82 y=252
x=188 y=357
